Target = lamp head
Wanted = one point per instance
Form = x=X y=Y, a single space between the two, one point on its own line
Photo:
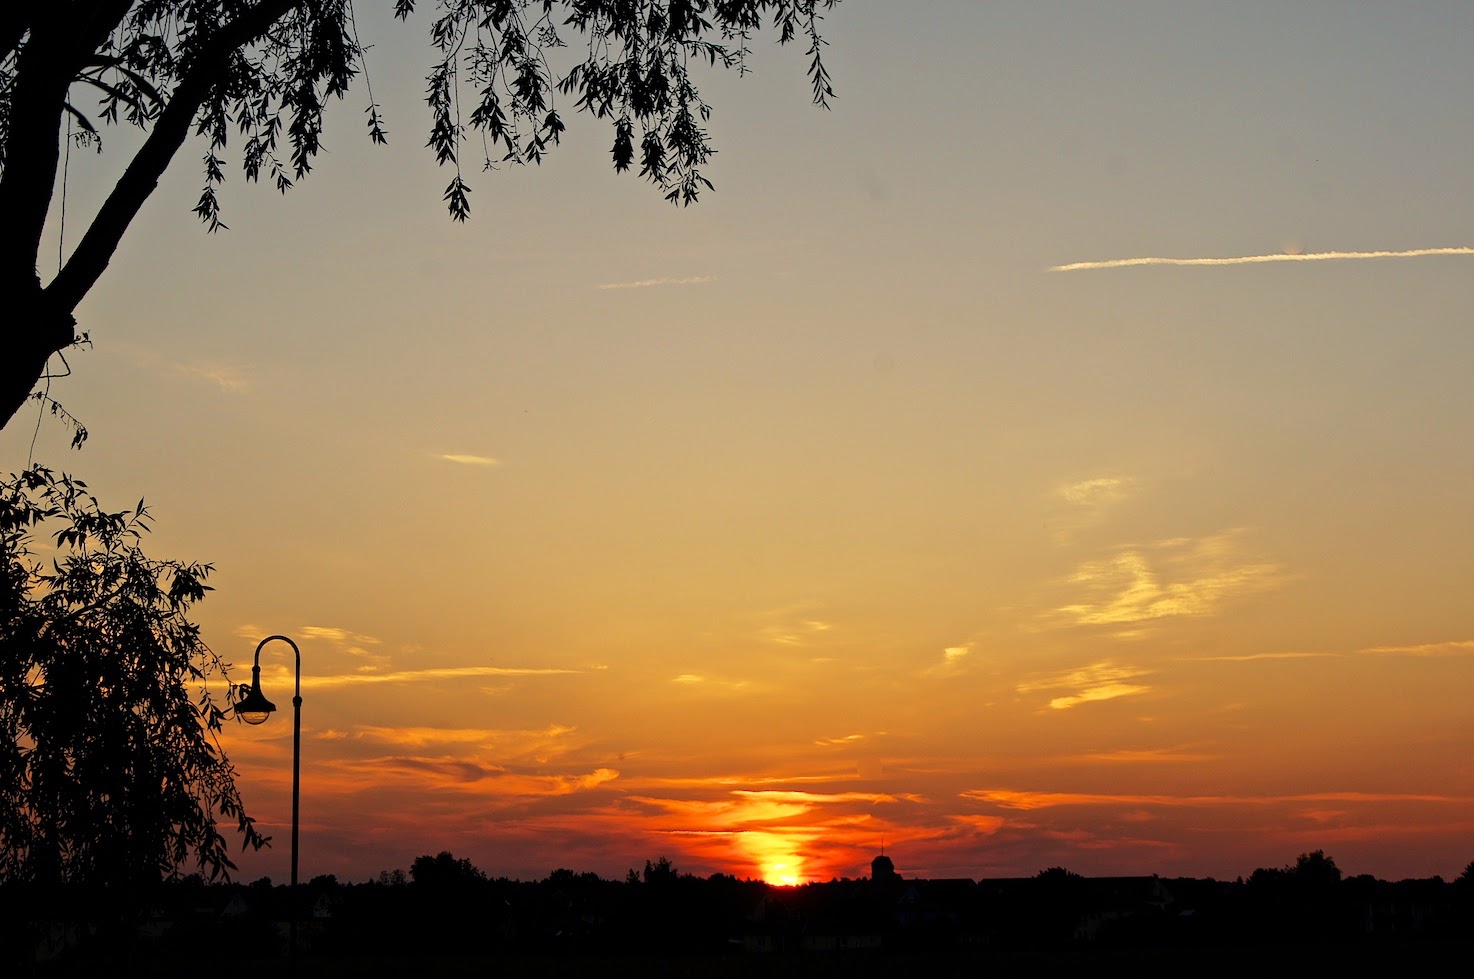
x=253 y=707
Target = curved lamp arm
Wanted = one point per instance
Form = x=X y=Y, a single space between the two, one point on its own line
x=253 y=707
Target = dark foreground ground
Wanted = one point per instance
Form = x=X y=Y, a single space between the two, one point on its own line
x=1451 y=958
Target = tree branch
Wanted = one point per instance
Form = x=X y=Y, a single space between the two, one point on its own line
x=170 y=130
x=62 y=39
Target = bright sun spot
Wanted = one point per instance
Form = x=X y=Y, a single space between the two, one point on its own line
x=775 y=856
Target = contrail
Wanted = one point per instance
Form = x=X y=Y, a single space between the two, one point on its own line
x=1120 y=263
x=690 y=280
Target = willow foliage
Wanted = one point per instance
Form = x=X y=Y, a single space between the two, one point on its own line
x=111 y=773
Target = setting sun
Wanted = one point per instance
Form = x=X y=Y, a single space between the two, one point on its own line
x=774 y=856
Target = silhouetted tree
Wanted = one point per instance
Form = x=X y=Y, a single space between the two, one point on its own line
x=444 y=871
x=1266 y=881
x=1463 y=891
x=1044 y=911
x=1304 y=901
x=660 y=873
x=110 y=771
x=267 y=68
x=1316 y=871
x=1058 y=876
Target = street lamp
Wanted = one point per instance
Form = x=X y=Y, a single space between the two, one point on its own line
x=254 y=708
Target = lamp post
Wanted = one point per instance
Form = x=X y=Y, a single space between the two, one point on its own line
x=254 y=708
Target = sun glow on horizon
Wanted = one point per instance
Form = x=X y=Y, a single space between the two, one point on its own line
x=776 y=857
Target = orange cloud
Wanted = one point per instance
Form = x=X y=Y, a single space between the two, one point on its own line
x=820 y=798
x=336 y=635
x=1253 y=657
x=987 y=825
x=1323 y=815
x=846 y=739
x=1109 y=691
x=714 y=684
x=953 y=660
x=545 y=742
x=727 y=812
x=1144 y=756
x=449 y=773
x=284 y=676
x=464 y=459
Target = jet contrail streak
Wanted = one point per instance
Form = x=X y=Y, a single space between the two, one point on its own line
x=1120 y=263
x=690 y=280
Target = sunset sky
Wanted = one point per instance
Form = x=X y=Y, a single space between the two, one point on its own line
x=836 y=511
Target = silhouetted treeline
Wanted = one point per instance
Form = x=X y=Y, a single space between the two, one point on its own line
x=444 y=907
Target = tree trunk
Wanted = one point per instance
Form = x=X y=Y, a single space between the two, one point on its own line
x=35 y=332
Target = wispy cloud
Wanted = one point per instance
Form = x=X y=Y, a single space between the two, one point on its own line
x=730 y=781
x=223 y=376
x=1106 y=691
x=1145 y=756
x=1025 y=799
x=792 y=628
x=846 y=739
x=419 y=737
x=336 y=634
x=1100 y=491
x=1456 y=647
x=1170 y=578
x=355 y=644
x=1105 y=680
x=820 y=798
x=689 y=280
x=419 y=676
x=714 y=684
x=1253 y=657
x=226 y=377
x=952 y=662
x=987 y=825
x=728 y=811
x=1087 y=502
x=1323 y=815
x=538 y=747
x=463 y=459
x=464 y=775
x=1119 y=263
